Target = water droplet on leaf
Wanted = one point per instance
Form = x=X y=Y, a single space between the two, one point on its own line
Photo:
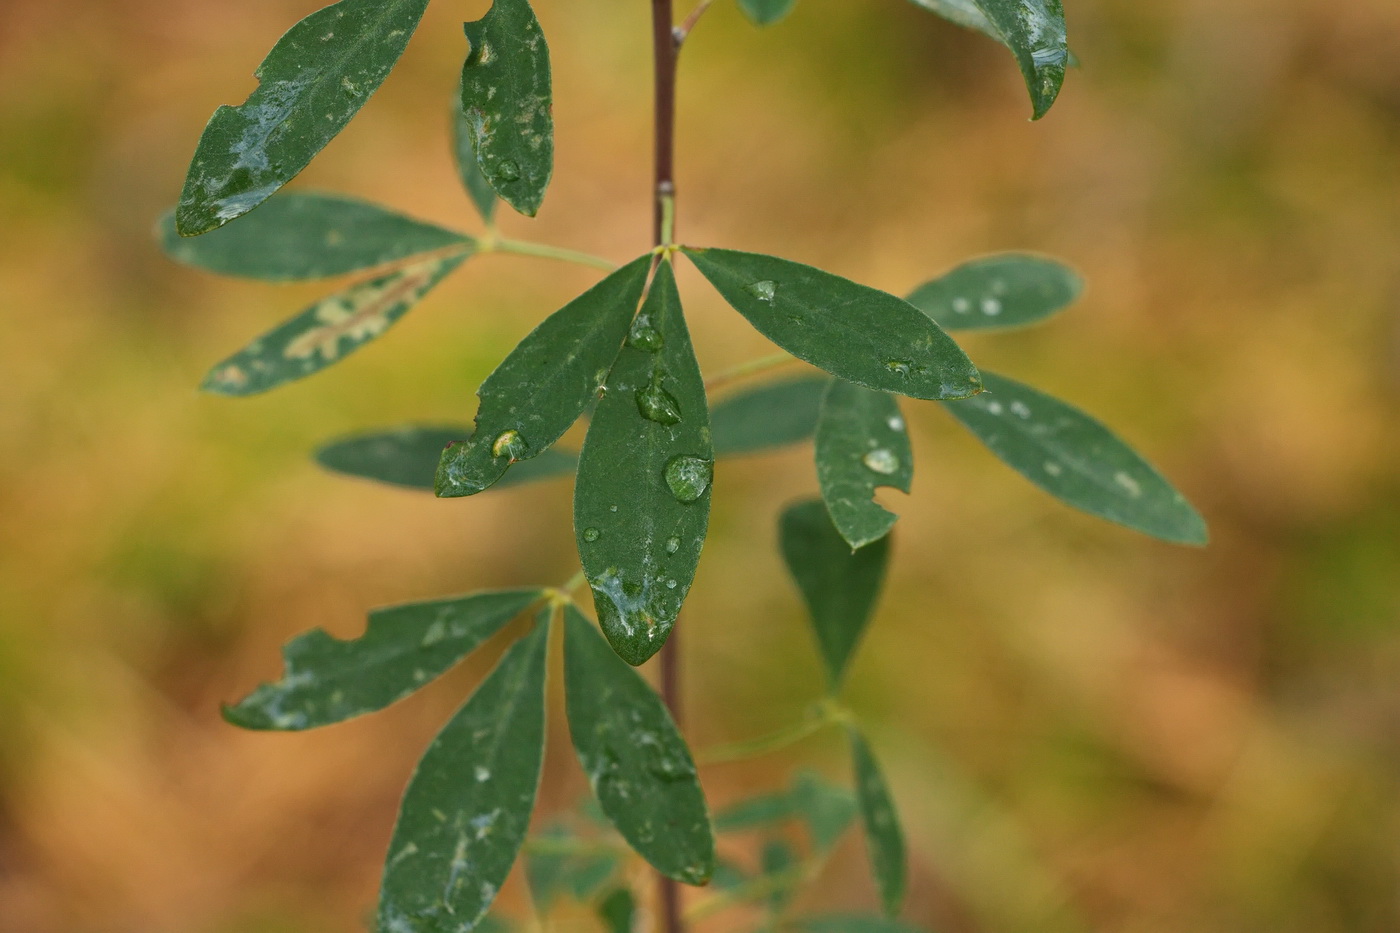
x=508 y=444
x=763 y=291
x=508 y=170
x=881 y=461
x=656 y=404
x=591 y=534
x=899 y=367
x=643 y=336
x=673 y=544
x=689 y=477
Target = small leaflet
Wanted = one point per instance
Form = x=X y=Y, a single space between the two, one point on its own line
x=766 y=12
x=618 y=911
x=329 y=330
x=467 y=807
x=327 y=680
x=768 y=416
x=998 y=292
x=315 y=79
x=408 y=456
x=862 y=445
x=469 y=170
x=883 y=836
x=581 y=873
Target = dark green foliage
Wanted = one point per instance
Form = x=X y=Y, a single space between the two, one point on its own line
x=766 y=12
x=618 y=911
x=408 y=456
x=883 y=837
x=768 y=416
x=1007 y=290
x=861 y=445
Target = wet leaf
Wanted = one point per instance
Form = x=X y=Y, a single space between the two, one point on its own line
x=469 y=171
x=854 y=923
x=308 y=236
x=826 y=808
x=507 y=103
x=637 y=763
x=468 y=805
x=861 y=445
x=328 y=331
x=766 y=12
x=546 y=382
x=883 y=836
x=1006 y=290
x=1076 y=459
x=618 y=911
x=327 y=680
x=642 y=500
x=1034 y=31
x=313 y=81
x=772 y=415
x=838 y=585
x=408 y=456
x=863 y=335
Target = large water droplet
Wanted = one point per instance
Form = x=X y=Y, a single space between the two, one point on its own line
x=591 y=534
x=645 y=336
x=656 y=404
x=508 y=170
x=508 y=444
x=689 y=477
x=881 y=461
x=763 y=291
x=673 y=544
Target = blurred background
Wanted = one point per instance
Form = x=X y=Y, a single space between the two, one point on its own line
x=1086 y=730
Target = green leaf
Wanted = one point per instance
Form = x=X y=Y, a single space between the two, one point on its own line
x=766 y=12
x=861 y=445
x=507 y=103
x=618 y=911
x=468 y=805
x=329 y=330
x=762 y=810
x=637 y=763
x=313 y=81
x=308 y=236
x=1078 y=460
x=728 y=875
x=884 y=839
x=580 y=873
x=327 y=680
x=854 y=923
x=408 y=456
x=545 y=383
x=1006 y=290
x=769 y=416
x=776 y=860
x=826 y=808
x=863 y=335
x=642 y=500
x=1034 y=31
x=469 y=170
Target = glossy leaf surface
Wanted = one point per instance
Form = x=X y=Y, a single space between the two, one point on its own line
x=507 y=101
x=637 y=763
x=865 y=336
x=308 y=236
x=854 y=923
x=408 y=456
x=313 y=81
x=618 y=911
x=861 y=445
x=838 y=585
x=883 y=837
x=328 y=331
x=1006 y=290
x=469 y=170
x=642 y=500
x=766 y=417
x=1078 y=460
x=766 y=12
x=545 y=383
x=468 y=805
x=327 y=680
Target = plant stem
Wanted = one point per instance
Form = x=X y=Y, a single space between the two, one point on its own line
x=521 y=248
x=818 y=717
x=751 y=368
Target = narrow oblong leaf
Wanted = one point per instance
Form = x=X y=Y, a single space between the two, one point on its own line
x=755 y=812
x=1077 y=460
x=861 y=445
x=507 y=103
x=838 y=585
x=883 y=836
x=637 y=763
x=546 y=382
x=408 y=456
x=329 y=330
x=766 y=12
x=768 y=416
x=854 y=923
x=469 y=170
x=642 y=500
x=618 y=911
x=863 y=335
x=826 y=808
x=313 y=81
x=327 y=680
x=468 y=805
x=308 y=236
x=1005 y=290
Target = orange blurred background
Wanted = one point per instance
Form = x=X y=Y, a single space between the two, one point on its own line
x=1086 y=730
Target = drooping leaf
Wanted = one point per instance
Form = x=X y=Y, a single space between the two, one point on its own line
x=618 y=911
x=507 y=103
x=883 y=836
x=861 y=445
x=329 y=330
x=838 y=585
x=546 y=382
x=865 y=336
x=408 y=456
x=854 y=923
x=637 y=763
x=313 y=81
x=469 y=170
x=826 y=808
x=571 y=868
x=1005 y=290
x=468 y=805
x=766 y=12
x=642 y=500
x=778 y=861
x=308 y=236
x=768 y=416
x=327 y=680
x=1078 y=460
x=1034 y=31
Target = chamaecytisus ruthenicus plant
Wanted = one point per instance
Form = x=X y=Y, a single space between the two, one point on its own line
x=621 y=353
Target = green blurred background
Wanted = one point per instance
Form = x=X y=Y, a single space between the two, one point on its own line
x=1087 y=730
